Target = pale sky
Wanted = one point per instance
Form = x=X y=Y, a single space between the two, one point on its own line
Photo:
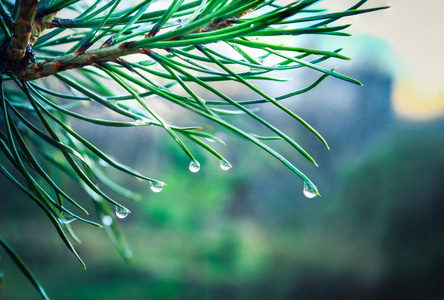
x=414 y=30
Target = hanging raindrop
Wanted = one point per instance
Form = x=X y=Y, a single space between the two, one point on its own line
x=309 y=192
x=156 y=186
x=194 y=166
x=224 y=165
x=121 y=212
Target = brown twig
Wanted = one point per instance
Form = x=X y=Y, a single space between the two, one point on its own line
x=40 y=24
x=108 y=52
x=22 y=29
x=72 y=61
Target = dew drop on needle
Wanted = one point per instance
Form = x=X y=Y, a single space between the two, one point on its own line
x=156 y=186
x=224 y=165
x=194 y=166
x=309 y=192
x=121 y=212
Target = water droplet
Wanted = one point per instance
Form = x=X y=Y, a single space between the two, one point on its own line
x=210 y=140
x=107 y=220
x=103 y=163
x=309 y=192
x=66 y=219
x=252 y=25
x=194 y=166
x=142 y=122
x=128 y=253
x=255 y=69
x=225 y=165
x=156 y=186
x=121 y=212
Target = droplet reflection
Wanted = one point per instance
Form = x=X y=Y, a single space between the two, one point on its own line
x=309 y=192
x=121 y=212
x=194 y=166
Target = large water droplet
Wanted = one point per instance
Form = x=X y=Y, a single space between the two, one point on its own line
x=156 y=186
x=121 y=212
x=194 y=166
x=309 y=192
x=107 y=220
x=224 y=165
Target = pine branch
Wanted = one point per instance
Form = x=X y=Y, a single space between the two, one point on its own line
x=107 y=53
x=179 y=66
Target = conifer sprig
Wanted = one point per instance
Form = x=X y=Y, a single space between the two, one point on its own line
x=174 y=53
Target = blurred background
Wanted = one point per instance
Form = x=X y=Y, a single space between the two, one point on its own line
x=377 y=232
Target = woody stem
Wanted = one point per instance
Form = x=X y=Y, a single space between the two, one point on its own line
x=22 y=29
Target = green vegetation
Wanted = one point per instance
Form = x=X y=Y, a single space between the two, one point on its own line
x=109 y=64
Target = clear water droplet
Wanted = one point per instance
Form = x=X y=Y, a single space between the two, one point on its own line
x=128 y=253
x=66 y=219
x=309 y=192
x=107 y=220
x=255 y=69
x=144 y=122
x=121 y=212
x=224 y=165
x=156 y=186
x=252 y=25
x=103 y=163
x=194 y=166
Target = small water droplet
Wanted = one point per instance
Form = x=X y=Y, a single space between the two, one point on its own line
x=103 y=163
x=142 y=122
x=156 y=186
x=107 y=220
x=255 y=69
x=309 y=192
x=224 y=165
x=121 y=212
x=252 y=25
x=194 y=166
x=128 y=253
x=66 y=219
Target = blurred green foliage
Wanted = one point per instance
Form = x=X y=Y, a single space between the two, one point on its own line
x=380 y=235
